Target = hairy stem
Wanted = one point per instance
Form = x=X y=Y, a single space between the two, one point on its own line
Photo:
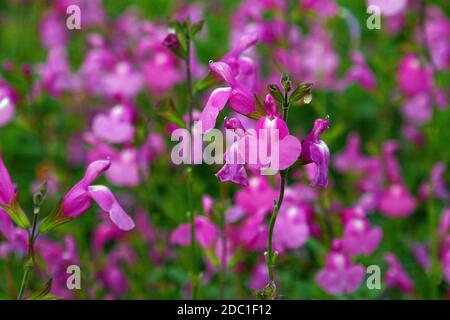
x=270 y=255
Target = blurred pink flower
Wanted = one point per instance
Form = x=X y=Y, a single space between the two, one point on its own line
x=350 y=159
x=340 y=275
x=8 y=100
x=291 y=230
x=53 y=30
x=396 y=275
x=359 y=236
x=389 y=7
x=7 y=188
x=206 y=233
x=413 y=77
x=114 y=127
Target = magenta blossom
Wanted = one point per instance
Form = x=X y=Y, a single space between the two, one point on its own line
x=240 y=97
x=114 y=127
x=206 y=233
x=414 y=78
x=78 y=199
x=57 y=258
x=396 y=201
x=8 y=99
x=396 y=276
x=359 y=237
x=7 y=188
x=316 y=151
x=340 y=276
x=291 y=230
x=350 y=159
x=389 y=7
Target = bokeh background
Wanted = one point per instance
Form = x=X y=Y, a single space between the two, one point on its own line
x=50 y=138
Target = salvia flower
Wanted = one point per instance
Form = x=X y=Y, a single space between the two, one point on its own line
x=316 y=151
x=396 y=201
x=359 y=236
x=206 y=233
x=115 y=126
x=340 y=275
x=241 y=99
x=7 y=188
x=396 y=275
x=7 y=103
x=78 y=199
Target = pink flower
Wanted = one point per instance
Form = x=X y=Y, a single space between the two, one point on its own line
x=258 y=196
x=359 y=237
x=104 y=233
x=389 y=7
x=350 y=159
x=414 y=78
x=233 y=172
x=260 y=276
x=7 y=103
x=324 y=8
x=396 y=201
x=206 y=233
x=55 y=75
x=396 y=276
x=7 y=188
x=291 y=230
x=240 y=98
x=272 y=120
x=53 y=30
x=123 y=82
x=440 y=188
x=114 y=127
x=437 y=30
x=108 y=203
x=316 y=151
x=57 y=257
x=125 y=168
x=160 y=71
x=78 y=199
x=360 y=72
x=113 y=280
x=417 y=109
x=340 y=276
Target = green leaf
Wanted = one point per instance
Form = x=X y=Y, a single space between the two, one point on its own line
x=16 y=213
x=276 y=93
x=302 y=94
x=197 y=27
x=54 y=219
x=207 y=82
x=4 y=296
x=44 y=293
x=212 y=257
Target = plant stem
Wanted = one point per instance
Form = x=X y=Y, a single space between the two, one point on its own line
x=223 y=257
x=270 y=255
x=191 y=212
x=29 y=262
x=191 y=216
x=188 y=76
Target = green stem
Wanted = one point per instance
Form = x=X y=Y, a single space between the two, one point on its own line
x=29 y=262
x=270 y=255
x=223 y=261
x=191 y=213
x=432 y=226
x=188 y=76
